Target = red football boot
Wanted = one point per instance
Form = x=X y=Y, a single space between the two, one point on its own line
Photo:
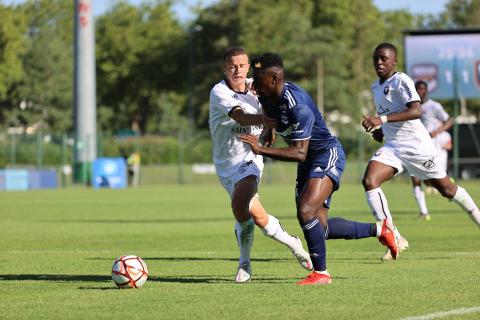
x=388 y=239
x=316 y=278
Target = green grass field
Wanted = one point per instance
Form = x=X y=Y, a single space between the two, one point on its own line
x=58 y=247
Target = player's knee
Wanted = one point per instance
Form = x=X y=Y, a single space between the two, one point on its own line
x=240 y=209
x=260 y=220
x=306 y=213
x=448 y=191
x=369 y=183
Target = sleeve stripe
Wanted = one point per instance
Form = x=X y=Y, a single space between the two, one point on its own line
x=308 y=138
x=290 y=98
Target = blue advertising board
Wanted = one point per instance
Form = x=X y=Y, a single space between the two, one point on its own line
x=109 y=173
x=2 y=180
x=42 y=179
x=443 y=59
x=16 y=179
x=22 y=179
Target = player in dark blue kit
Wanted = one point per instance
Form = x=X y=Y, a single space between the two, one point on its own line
x=320 y=158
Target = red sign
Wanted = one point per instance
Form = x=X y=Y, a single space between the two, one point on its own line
x=83 y=9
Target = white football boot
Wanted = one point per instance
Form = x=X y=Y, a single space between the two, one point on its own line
x=402 y=246
x=302 y=256
x=244 y=273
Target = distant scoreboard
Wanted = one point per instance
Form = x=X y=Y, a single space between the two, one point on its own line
x=440 y=57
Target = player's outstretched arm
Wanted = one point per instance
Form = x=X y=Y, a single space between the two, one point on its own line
x=245 y=119
x=414 y=111
x=296 y=151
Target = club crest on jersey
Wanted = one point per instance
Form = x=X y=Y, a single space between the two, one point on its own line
x=386 y=90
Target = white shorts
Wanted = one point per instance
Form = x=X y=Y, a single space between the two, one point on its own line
x=242 y=170
x=422 y=167
x=442 y=157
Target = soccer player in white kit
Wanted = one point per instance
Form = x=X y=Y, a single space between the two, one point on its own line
x=437 y=122
x=407 y=142
x=235 y=110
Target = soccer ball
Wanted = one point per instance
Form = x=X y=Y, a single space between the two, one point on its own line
x=129 y=272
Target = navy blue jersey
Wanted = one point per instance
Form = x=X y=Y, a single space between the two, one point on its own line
x=298 y=118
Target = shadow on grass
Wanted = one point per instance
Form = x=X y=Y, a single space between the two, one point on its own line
x=55 y=277
x=222 y=279
x=172 y=279
x=199 y=259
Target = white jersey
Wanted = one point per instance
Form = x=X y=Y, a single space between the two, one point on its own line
x=433 y=115
x=407 y=137
x=227 y=148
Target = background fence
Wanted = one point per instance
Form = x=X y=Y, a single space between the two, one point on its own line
x=175 y=159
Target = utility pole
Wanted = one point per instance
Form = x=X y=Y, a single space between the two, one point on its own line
x=85 y=109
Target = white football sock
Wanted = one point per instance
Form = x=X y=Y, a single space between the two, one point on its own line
x=420 y=198
x=378 y=204
x=379 y=228
x=463 y=199
x=244 y=232
x=274 y=230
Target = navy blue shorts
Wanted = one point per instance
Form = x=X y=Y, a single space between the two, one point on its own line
x=330 y=162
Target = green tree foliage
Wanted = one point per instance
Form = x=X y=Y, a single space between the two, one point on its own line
x=46 y=88
x=151 y=69
x=462 y=13
x=139 y=65
x=302 y=32
x=457 y=14
x=12 y=46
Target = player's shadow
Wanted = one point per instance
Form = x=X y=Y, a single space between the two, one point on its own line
x=55 y=277
x=200 y=259
x=61 y=278
x=212 y=279
x=219 y=280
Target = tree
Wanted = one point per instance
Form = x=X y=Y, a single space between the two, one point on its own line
x=457 y=14
x=12 y=46
x=462 y=13
x=139 y=60
x=302 y=32
x=46 y=87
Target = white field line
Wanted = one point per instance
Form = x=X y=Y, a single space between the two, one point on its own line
x=443 y=314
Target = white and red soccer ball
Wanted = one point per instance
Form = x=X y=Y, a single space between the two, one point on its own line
x=129 y=272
